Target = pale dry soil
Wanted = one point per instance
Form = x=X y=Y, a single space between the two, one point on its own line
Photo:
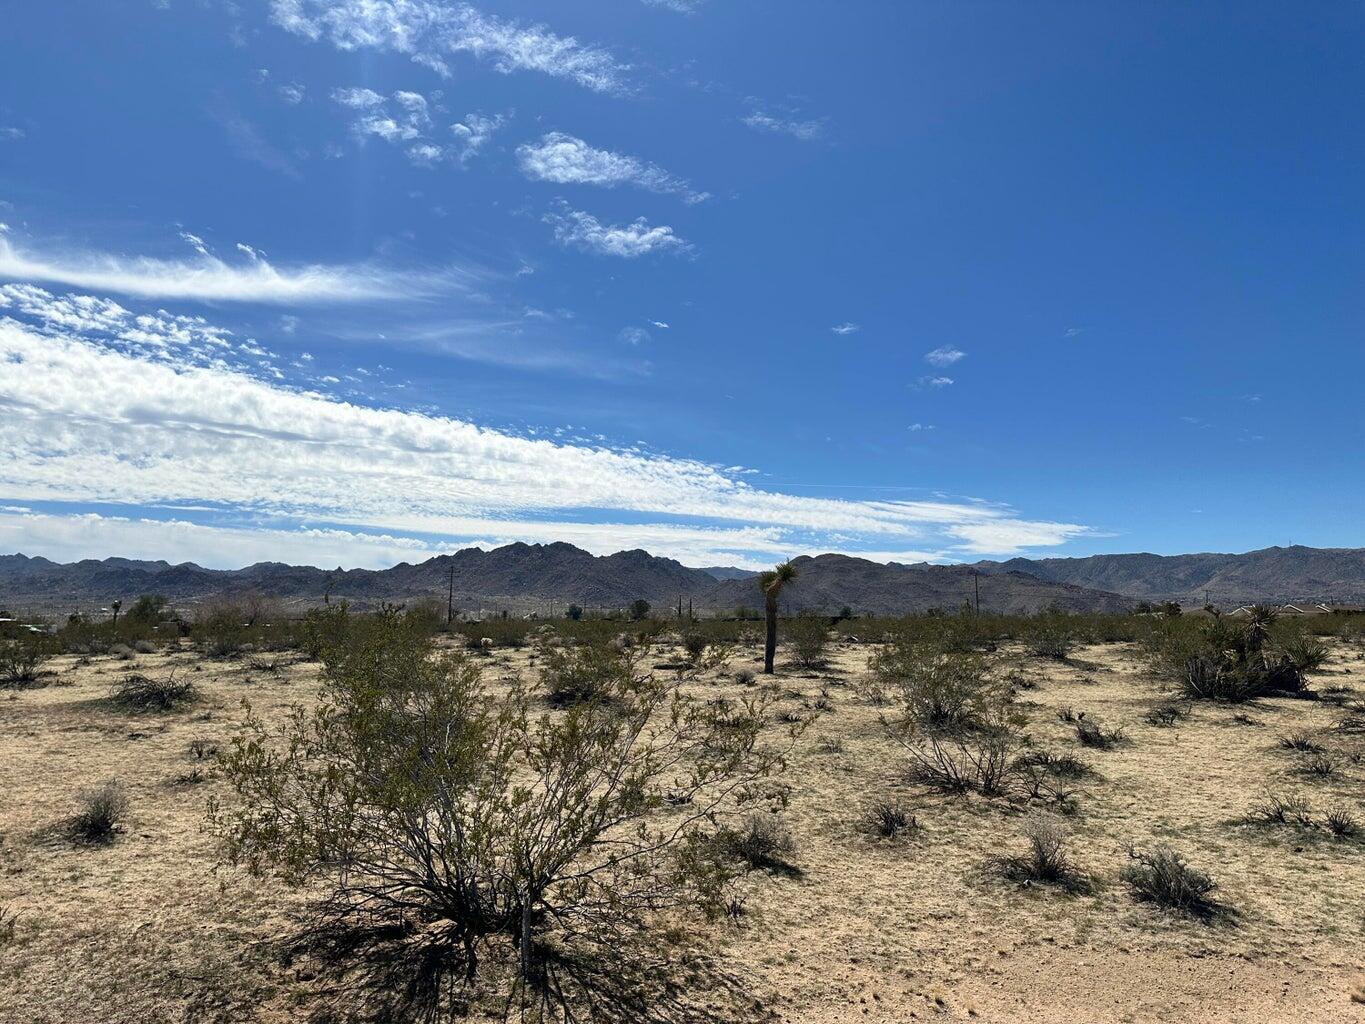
x=150 y=927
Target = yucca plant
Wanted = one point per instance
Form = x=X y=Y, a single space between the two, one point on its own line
x=771 y=583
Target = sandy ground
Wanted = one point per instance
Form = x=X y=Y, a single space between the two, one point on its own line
x=150 y=929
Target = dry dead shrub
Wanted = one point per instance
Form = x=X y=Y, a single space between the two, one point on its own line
x=888 y=819
x=983 y=760
x=137 y=692
x=760 y=840
x=1342 y=823
x=1162 y=877
x=1090 y=733
x=1046 y=861
x=101 y=814
x=1282 y=810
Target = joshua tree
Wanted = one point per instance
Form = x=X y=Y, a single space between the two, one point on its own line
x=116 y=605
x=771 y=583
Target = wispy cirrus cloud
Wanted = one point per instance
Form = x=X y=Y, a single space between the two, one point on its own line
x=167 y=432
x=208 y=278
x=405 y=118
x=846 y=328
x=473 y=133
x=430 y=31
x=805 y=129
x=679 y=6
x=567 y=160
x=944 y=355
x=582 y=230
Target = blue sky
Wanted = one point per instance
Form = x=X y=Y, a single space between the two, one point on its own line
x=349 y=282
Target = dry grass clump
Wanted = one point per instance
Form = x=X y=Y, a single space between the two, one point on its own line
x=137 y=692
x=1295 y=811
x=101 y=814
x=9 y=923
x=1046 y=861
x=1162 y=876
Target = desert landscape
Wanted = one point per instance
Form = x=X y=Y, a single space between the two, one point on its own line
x=682 y=512
x=879 y=895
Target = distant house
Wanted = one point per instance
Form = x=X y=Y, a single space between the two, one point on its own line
x=1305 y=608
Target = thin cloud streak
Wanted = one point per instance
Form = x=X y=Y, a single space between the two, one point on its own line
x=209 y=279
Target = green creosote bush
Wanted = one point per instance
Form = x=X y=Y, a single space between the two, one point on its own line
x=454 y=829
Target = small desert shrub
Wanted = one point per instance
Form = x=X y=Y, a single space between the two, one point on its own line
x=121 y=652
x=695 y=642
x=194 y=777
x=572 y=675
x=1092 y=734
x=806 y=636
x=1162 y=876
x=889 y=819
x=1300 y=742
x=137 y=692
x=939 y=691
x=982 y=761
x=1342 y=823
x=203 y=750
x=144 y=647
x=9 y=922
x=760 y=840
x=223 y=630
x=101 y=814
x=1063 y=766
x=1165 y=714
x=21 y=657
x=1320 y=765
x=1046 y=860
x=745 y=677
x=830 y=745
x=1278 y=810
x=1051 y=635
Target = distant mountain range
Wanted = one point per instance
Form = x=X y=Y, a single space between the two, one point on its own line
x=1272 y=575
x=548 y=577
